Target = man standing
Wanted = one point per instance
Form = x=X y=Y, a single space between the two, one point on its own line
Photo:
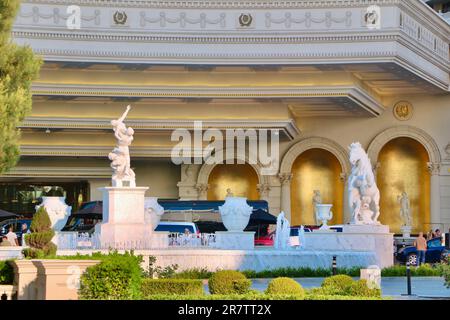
x=421 y=246
x=12 y=237
x=25 y=231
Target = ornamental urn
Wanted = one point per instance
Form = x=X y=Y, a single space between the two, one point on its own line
x=57 y=209
x=153 y=212
x=235 y=213
x=324 y=214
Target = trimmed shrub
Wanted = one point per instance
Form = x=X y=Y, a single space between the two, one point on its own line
x=360 y=289
x=116 y=277
x=337 y=285
x=40 y=238
x=285 y=286
x=172 y=287
x=228 y=282
x=6 y=272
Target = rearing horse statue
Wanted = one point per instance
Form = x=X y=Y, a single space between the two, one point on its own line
x=364 y=195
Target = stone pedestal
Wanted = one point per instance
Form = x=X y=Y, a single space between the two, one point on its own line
x=49 y=279
x=356 y=238
x=235 y=240
x=406 y=231
x=123 y=218
x=373 y=276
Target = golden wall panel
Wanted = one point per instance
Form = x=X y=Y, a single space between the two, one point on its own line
x=240 y=178
x=404 y=168
x=316 y=169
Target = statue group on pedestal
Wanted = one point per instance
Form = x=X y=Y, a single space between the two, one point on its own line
x=120 y=156
x=364 y=195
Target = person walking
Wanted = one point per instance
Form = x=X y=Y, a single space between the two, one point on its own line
x=421 y=246
x=12 y=237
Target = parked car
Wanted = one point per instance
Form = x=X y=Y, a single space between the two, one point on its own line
x=16 y=224
x=436 y=252
x=177 y=227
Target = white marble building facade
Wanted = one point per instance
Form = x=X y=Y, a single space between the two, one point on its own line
x=315 y=70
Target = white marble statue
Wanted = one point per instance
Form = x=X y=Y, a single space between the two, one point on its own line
x=282 y=233
x=361 y=183
x=405 y=209
x=317 y=199
x=302 y=238
x=120 y=156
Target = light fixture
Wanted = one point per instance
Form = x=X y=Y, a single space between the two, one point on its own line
x=47 y=131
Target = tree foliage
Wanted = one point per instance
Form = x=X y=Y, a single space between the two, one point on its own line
x=18 y=68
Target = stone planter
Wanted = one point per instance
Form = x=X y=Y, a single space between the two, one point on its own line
x=153 y=212
x=235 y=214
x=49 y=279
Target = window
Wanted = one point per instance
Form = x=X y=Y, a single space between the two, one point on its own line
x=22 y=198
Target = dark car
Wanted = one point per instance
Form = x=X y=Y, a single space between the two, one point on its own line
x=436 y=252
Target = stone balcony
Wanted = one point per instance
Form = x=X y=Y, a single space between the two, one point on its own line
x=215 y=32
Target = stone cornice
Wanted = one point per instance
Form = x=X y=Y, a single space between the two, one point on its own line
x=355 y=94
x=63 y=172
x=288 y=127
x=92 y=151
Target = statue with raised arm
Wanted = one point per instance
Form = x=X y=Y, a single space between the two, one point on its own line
x=364 y=195
x=120 y=156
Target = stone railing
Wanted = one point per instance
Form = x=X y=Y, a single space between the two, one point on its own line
x=206 y=240
x=85 y=241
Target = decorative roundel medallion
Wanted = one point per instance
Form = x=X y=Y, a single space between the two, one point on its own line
x=403 y=110
x=245 y=19
x=120 y=17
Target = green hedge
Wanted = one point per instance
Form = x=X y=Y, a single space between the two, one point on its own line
x=301 y=273
x=229 y=282
x=6 y=272
x=172 y=287
x=193 y=274
x=254 y=296
x=424 y=270
x=116 y=277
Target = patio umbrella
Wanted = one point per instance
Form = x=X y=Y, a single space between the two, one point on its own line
x=7 y=215
x=94 y=208
x=261 y=216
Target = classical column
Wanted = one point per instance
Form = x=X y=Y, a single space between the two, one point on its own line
x=285 y=179
x=263 y=190
x=347 y=215
x=435 y=199
x=202 y=191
